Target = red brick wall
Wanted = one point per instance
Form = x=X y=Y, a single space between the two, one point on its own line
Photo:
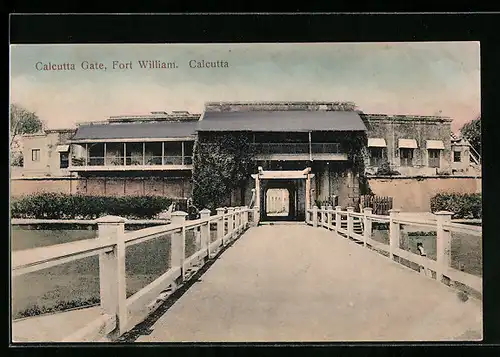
x=411 y=194
x=177 y=188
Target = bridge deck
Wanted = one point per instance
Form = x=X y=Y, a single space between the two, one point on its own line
x=298 y=283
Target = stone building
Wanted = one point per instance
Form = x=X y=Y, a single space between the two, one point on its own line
x=302 y=148
x=45 y=154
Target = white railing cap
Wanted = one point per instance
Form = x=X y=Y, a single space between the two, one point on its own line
x=179 y=214
x=338 y=208
x=111 y=219
x=220 y=209
x=444 y=213
x=350 y=208
x=395 y=210
x=205 y=211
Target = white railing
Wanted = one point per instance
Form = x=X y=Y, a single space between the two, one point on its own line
x=332 y=219
x=118 y=313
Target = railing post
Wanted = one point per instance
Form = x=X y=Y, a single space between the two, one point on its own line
x=394 y=232
x=230 y=223
x=237 y=217
x=178 y=243
x=338 y=218
x=245 y=217
x=323 y=216
x=205 y=232
x=220 y=226
x=367 y=225
x=315 y=216
x=329 y=217
x=349 y=221
x=443 y=243
x=112 y=278
x=255 y=216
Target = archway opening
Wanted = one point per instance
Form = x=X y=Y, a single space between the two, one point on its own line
x=277 y=202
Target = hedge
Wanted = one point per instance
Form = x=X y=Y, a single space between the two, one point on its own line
x=64 y=206
x=463 y=205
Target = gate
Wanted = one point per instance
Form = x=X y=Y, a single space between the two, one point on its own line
x=380 y=204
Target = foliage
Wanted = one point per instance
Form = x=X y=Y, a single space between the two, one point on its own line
x=472 y=132
x=221 y=163
x=463 y=205
x=22 y=121
x=16 y=158
x=60 y=305
x=63 y=206
x=385 y=169
x=354 y=144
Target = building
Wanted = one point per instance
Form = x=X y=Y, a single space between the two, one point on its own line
x=303 y=148
x=45 y=154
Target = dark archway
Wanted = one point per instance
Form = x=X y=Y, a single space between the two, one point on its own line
x=289 y=185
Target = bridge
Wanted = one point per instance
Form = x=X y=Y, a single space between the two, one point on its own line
x=331 y=278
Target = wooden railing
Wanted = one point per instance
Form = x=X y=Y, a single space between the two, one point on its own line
x=118 y=313
x=439 y=269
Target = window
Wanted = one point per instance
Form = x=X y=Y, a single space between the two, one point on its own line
x=434 y=157
x=406 y=156
x=376 y=156
x=63 y=160
x=456 y=156
x=35 y=155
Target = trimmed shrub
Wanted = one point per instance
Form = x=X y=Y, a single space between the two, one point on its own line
x=463 y=205
x=63 y=206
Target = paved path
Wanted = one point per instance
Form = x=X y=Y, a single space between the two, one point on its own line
x=298 y=283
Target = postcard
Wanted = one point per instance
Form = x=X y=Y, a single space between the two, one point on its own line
x=246 y=192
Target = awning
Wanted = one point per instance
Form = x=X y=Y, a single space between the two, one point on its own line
x=376 y=143
x=62 y=148
x=407 y=143
x=435 y=144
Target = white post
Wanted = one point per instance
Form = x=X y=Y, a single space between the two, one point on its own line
x=256 y=215
x=315 y=216
x=367 y=225
x=237 y=216
x=205 y=232
x=394 y=232
x=349 y=221
x=230 y=223
x=220 y=226
x=443 y=244
x=338 y=218
x=178 y=243
x=323 y=216
x=329 y=217
x=112 y=278
x=245 y=217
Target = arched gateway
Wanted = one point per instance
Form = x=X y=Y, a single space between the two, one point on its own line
x=296 y=183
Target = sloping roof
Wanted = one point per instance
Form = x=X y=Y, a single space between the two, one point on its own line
x=435 y=144
x=407 y=143
x=377 y=143
x=136 y=130
x=282 y=121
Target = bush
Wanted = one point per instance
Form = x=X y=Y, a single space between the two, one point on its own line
x=463 y=205
x=63 y=206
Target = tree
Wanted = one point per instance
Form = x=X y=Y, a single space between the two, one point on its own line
x=22 y=121
x=472 y=132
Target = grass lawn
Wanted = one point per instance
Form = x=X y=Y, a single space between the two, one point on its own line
x=77 y=283
x=466 y=250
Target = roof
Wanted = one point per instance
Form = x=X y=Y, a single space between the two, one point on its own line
x=282 y=121
x=176 y=129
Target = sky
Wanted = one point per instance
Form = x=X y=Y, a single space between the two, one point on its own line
x=420 y=78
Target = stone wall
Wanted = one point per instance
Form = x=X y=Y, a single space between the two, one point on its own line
x=414 y=194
